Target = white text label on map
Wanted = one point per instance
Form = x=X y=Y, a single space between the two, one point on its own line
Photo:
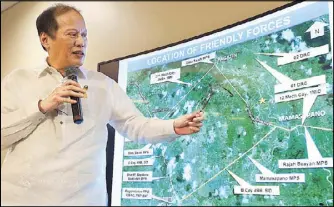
x=167 y=76
x=257 y=190
x=299 y=94
x=305 y=163
x=303 y=83
x=138 y=152
x=139 y=176
x=269 y=176
x=142 y=194
x=285 y=58
x=137 y=193
x=138 y=162
x=201 y=59
x=281 y=178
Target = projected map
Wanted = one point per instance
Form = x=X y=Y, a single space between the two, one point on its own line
x=268 y=134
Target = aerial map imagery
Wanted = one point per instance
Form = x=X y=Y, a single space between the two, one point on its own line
x=267 y=92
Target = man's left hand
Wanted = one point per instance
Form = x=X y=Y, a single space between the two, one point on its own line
x=189 y=123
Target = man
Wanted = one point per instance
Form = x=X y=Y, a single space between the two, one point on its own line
x=51 y=160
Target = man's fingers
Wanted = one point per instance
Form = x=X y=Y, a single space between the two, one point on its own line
x=199 y=113
x=198 y=119
x=194 y=129
x=190 y=116
x=66 y=100
x=79 y=95
x=71 y=93
x=74 y=88
x=71 y=82
x=69 y=100
x=195 y=114
x=195 y=124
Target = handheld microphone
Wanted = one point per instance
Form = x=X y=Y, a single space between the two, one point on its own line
x=71 y=73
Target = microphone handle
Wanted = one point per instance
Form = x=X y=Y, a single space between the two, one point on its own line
x=76 y=107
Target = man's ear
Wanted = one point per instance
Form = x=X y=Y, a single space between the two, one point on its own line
x=45 y=40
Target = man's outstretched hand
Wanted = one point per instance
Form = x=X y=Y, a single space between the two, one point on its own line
x=189 y=123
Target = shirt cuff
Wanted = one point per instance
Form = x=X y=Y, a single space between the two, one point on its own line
x=170 y=131
x=33 y=113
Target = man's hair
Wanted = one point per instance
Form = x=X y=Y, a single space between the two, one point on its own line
x=46 y=21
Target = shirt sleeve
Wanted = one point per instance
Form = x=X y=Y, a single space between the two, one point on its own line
x=18 y=119
x=131 y=123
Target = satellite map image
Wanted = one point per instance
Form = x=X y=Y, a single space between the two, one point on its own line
x=268 y=134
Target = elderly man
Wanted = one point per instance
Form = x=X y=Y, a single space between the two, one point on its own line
x=51 y=160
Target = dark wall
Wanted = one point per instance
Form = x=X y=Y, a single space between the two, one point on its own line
x=110 y=160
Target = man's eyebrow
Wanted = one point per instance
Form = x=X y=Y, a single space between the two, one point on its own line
x=71 y=30
x=75 y=30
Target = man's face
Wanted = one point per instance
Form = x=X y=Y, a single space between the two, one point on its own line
x=68 y=48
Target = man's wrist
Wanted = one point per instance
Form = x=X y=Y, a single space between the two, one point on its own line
x=40 y=107
x=176 y=129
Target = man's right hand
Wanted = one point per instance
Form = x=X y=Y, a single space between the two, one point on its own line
x=61 y=95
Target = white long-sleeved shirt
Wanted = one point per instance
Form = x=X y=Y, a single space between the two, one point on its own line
x=53 y=161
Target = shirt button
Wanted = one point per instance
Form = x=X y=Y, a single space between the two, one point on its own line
x=61 y=122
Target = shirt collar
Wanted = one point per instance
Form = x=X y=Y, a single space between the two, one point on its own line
x=82 y=73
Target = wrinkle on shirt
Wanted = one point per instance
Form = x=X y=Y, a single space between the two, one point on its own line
x=54 y=160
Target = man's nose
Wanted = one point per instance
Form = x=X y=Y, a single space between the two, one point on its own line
x=80 y=42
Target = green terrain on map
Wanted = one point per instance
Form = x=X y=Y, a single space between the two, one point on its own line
x=237 y=125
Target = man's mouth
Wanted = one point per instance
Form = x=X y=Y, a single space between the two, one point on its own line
x=78 y=53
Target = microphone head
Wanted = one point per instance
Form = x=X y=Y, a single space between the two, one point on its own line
x=72 y=70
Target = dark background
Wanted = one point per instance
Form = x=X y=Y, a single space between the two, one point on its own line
x=110 y=160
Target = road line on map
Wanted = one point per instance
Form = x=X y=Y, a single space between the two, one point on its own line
x=143 y=97
x=170 y=177
x=280 y=127
x=320 y=128
x=295 y=127
x=188 y=92
x=328 y=176
x=231 y=85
